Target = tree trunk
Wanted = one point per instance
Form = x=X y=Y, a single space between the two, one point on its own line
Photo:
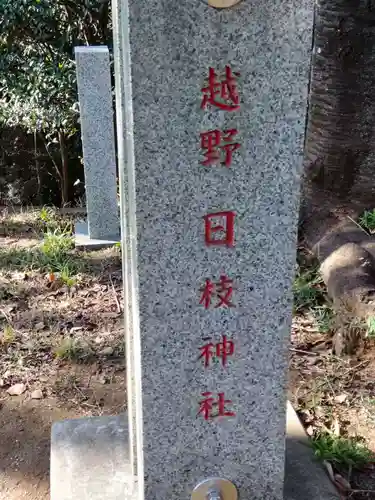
x=340 y=141
x=37 y=169
x=340 y=151
x=64 y=169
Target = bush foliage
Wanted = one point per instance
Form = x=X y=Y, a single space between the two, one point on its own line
x=38 y=91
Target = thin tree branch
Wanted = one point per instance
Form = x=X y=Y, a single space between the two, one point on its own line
x=52 y=159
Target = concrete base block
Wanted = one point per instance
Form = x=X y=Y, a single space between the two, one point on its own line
x=90 y=461
x=83 y=241
x=305 y=478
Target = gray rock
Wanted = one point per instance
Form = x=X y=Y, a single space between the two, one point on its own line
x=16 y=389
x=37 y=394
x=107 y=351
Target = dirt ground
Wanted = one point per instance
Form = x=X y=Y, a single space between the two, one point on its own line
x=334 y=395
x=62 y=352
x=61 y=347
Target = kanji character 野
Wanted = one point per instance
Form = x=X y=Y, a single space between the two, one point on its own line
x=225 y=232
x=217 y=141
x=221 y=93
x=206 y=406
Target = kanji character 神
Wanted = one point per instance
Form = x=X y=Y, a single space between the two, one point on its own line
x=222 y=290
x=213 y=141
x=221 y=93
x=221 y=350
x=206 y=406
x=226 y=231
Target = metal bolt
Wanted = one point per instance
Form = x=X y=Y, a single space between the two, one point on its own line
x=214 y=488
x=213 y=494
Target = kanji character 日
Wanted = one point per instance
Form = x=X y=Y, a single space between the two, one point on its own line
x=222 y=92
x=219 y=146
x=219 y=228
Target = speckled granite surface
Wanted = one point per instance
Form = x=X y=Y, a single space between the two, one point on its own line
x=98 y=141
x=172 y=46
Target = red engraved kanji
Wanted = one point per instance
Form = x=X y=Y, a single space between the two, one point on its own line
x=216 y=142
x=224 y=349
x=211 y=408
x=222 y=291
x=207 y=352
x=224 y=232
x=221 y=350
x=222 y=93
x=207 y=292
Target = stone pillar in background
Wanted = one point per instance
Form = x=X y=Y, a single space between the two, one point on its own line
x=98 y=141
x=213 y=103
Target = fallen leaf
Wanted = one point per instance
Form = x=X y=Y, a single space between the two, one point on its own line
x=310 y=430
x=39 y=326
x=341 y=398
x=110 y=315
x=16 y=389
x=76 y=329
x=342 y=483
x=19 y=275
x=306 y=416
x=319 y=412
x=8 y=308
x=338 y=343
x=329 y=469
x=336 y=427
x=28 y=346
x=107 y=351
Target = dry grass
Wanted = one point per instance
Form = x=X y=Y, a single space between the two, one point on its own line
x=332 y=393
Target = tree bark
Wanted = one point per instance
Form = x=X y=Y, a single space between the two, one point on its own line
x=339 y=180
x=340 y=140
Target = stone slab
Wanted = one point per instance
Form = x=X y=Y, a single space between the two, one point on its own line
x=172 y=46
x=98 y=141
x=83 y=241
x=305 y=477
x=89 y=460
